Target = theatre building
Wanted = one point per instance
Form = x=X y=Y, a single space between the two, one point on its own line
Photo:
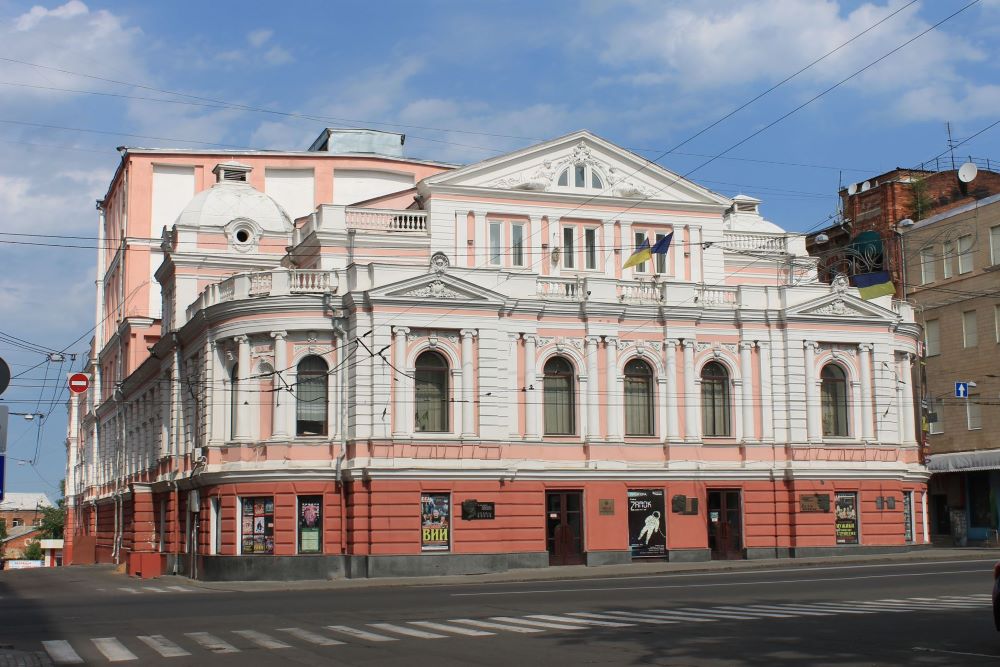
x=347 y=362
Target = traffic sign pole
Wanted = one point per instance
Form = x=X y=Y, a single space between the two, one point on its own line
x=4 y=414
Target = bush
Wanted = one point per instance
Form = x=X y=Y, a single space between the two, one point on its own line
x=33 y=551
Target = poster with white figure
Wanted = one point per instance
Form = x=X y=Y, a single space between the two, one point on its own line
x=647 y=523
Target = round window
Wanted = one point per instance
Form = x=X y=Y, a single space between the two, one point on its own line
x=242 y=236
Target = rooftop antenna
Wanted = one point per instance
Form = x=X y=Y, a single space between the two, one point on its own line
x=840 y=186
x=951 y=144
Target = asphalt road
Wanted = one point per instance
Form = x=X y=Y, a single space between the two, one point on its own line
x=887 y=614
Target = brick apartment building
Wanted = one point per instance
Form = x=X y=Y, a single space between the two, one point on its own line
x=22 y=509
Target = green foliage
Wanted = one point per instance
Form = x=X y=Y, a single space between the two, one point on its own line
x=3 y=531
x=33 y=551
x=53 y=521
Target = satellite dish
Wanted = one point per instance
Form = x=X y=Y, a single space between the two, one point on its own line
x=967 y=172
x=866 y=186
x=852 y=188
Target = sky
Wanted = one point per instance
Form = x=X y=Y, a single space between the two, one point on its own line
x=465 y=82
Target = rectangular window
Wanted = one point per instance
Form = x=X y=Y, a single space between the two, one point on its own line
x=965 y=253
x=908 y=516
x=926 y=266
x=660 y=259
x=996 y=322
x=995 y=245
x=310 y=524
x=969 y=336
x=640 y=237
x=973 y=412
x=590 y=248
x=847 y=518
x=932 y=337
x=435 y=522
x=257 y=525
x=215 y=526
x=947 y=256
x=935 y=416
x=581 y=176
x=568 y=233
x=517 y=245
x=496 y=241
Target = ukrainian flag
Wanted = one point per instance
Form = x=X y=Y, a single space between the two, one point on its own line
x=642 y=254
x=872 y=285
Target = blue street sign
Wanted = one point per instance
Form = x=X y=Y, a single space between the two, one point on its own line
x=961 y=390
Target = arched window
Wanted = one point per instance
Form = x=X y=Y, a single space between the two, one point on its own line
x=560 y=408
x=564 y=177
x=638 y=398
x=595 y=180
x=234 y=409
x=833 y=396
x=431 y=374
x=311 y=396
x=715 y=400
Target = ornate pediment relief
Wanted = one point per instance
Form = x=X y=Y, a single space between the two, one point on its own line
x=436 y=286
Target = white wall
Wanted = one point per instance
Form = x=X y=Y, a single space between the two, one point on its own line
x=294 y=189
x=354 y=185
x=173 y=188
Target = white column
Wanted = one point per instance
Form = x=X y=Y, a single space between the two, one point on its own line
x=612 y=405
x=628 y=244
x=766 y=397
x=400 y=417
x=746 y=370
x=607 y=253
x=468 y=384
x=813 y=426
x=677 y=249
x=923 y=515
x=593 y=406
x=513 y=424
x=696 y=254
x=279 y=427
x=482 y=247
x=534 y=243
x=242 y=405
x=691 y=398
x=909 y=436
x=461 y=238
x=672 y=403
x=531 y=394
x=867 y=406
x=211 y=391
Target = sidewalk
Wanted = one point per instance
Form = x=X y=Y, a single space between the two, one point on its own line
x=583 y=572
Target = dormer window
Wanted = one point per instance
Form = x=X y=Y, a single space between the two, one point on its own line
x=231 y=172
x=582 y=176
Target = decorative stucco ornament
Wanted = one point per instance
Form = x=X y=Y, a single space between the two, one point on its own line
x=440 y=262
x=840 y=284
x=437 y=290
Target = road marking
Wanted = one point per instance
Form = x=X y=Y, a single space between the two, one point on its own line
x=798 y=611
x=495 y=626
x=679 y=615
x=845 y=608
x=61 y=652
x=113 y=649
x=537 y=624
x=719 y=614
x=162 y=645
x=153 y=589
x=360 y=634
x=212 y=643
x=763 y=582
x=311 y=637
x=261 y=640
x=809 y=610
x=128 y=590
x=941 y=650
x=563 y=619
x=431 y=625
x=409 y=632
x=622 y=616
x=179 y=589
x=751 y=610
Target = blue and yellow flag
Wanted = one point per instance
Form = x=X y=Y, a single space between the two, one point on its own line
x=872 y=285
x=641 y=254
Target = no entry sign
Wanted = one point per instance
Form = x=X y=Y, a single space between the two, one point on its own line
x=78 y=383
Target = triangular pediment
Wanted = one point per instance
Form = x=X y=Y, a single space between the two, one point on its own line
x=609 y=172
x=839 y=305
x=437 y=287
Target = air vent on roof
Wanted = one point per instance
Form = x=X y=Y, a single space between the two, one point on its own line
x=748 y=207
x=231 y=172
x=234 y=175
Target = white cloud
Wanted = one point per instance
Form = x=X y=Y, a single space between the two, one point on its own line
x=38 y=13
x=277 y=56
x=258 y=37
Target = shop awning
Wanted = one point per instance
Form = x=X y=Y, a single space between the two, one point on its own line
x=986 y=459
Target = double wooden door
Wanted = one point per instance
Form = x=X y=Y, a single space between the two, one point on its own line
x=564 y=527
x=725 y=523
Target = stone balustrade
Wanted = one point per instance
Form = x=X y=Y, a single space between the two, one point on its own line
x=276 y=282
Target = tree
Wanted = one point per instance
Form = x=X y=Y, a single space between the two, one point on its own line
x=53 y=522
x=3 y=530
x=33 y=551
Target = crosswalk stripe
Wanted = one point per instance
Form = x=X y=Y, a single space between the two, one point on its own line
x=113 y=649
x=431 y=625
x=622 y=616
x=798 y=611
x=668 y=613
x=162 y=645
x=360 y=634
x=846 y=608
x=719 y=614
x=212 y=643
x=563 y=619
x=409 y=632
x=179 y=589
x=153 y=589
x=752 y=610
x=537 y=624
x=128 y=590
x=495 y=626
x=311 y=637
x=261 y=640
x=61 y=652
x=821 y=609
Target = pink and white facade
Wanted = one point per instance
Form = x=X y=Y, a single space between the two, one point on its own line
x=344 y=362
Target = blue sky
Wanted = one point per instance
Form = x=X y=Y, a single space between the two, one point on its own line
x=465 y=81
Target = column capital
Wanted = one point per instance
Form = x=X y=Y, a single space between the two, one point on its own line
x=400 y=331
x=469 y=333
x=810 y=344
x=865 y=347
x=242 y=338
x=747 y=344
x=530 y=338
x=513 y=336
x=688 y=344
x=610 y=340
x=278 y=335
x=670 y=343
x=592 y=340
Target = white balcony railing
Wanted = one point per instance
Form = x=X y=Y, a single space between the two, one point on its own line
x=563 y=289
x=276 y=282
x=386 y=220
x=719 y=297
x=755 y=242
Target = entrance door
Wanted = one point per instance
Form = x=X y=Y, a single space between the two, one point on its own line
x=725 y=539
x=564 y=527
x=942 y=517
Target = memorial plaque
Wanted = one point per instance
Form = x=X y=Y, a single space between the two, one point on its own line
x=814 y=502
x=606 y=506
